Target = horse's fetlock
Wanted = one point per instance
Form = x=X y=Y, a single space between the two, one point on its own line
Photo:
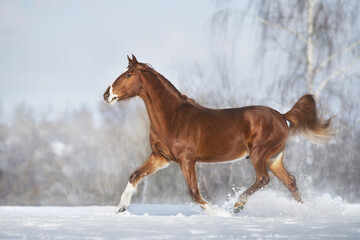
x=194 y=193
x=264 y=180
x=292 y=182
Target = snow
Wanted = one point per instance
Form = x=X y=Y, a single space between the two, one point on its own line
x=268 y=215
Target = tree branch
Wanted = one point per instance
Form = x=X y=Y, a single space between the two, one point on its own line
x=334 y=75
x=310 y=46
x=291 y=53
x=266 y=22
x=331 y=57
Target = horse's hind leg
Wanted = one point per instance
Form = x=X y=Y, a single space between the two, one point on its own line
x=152 y=164
x=277 y=167
x=262 y=178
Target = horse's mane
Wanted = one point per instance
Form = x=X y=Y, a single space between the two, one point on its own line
x=149 y=68
x=191 y=101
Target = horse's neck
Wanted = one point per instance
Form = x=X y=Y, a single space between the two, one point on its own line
x=161 y=100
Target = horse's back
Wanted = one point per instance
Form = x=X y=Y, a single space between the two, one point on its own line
x=244 y=117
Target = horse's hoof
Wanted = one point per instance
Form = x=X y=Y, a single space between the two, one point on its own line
x=238 y=209
x=122 y=209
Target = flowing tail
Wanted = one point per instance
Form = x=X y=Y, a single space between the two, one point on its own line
x=304 y=119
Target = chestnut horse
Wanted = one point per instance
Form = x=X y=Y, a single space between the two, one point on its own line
x=185 y=132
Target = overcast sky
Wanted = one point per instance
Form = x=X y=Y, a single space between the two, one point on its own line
x=61 y=54
x=65 y=53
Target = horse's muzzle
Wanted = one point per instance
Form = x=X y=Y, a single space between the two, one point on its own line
x=106 y=96
x=110 y=97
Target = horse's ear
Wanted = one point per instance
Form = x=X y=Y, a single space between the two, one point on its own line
x=129 y=59
x=134 y=59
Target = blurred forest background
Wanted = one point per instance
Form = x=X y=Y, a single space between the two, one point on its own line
x=85 y=156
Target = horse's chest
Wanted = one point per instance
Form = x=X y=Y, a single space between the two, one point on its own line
x=160 y=146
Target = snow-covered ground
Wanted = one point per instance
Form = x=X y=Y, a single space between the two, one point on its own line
x=268 y=215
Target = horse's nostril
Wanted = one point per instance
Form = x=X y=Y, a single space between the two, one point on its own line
x=106 y=96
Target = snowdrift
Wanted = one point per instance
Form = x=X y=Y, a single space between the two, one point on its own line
x=267 y=216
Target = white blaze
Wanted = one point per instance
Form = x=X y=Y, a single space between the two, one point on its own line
x=112 y=97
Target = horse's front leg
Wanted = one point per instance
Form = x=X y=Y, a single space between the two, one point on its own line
x=152 y=164
x=189 y=171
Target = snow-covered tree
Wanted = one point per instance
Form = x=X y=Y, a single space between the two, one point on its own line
x=320 y=39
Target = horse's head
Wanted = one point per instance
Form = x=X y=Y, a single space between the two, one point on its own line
x=127 y=85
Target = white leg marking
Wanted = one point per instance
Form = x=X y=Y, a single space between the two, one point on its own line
x=126 y=196
x=129 y=191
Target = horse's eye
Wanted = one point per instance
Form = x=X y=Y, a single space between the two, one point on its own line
x=128 y=75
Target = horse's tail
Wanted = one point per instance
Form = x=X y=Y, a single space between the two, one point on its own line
x=304 y=119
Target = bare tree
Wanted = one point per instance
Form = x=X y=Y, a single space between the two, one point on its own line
x=317 y=44
x=320 y=38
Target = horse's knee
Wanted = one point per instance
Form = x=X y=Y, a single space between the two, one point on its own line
x=133 y=179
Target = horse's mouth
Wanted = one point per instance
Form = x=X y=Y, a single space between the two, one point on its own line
x=112 y=101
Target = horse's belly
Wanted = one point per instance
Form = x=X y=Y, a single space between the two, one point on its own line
x=221 y=150
x=222 y=158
